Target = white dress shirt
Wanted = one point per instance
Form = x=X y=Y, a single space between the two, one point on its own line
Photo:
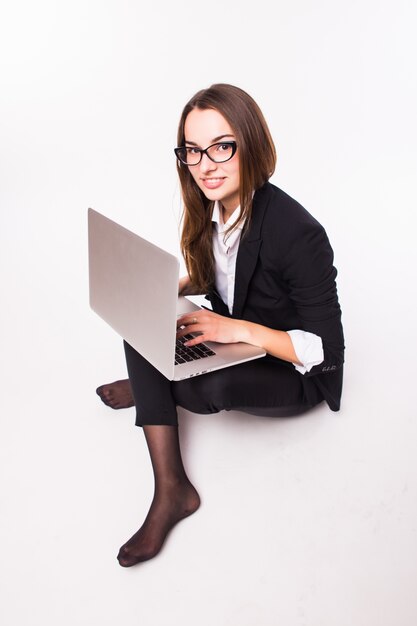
x=307 y=346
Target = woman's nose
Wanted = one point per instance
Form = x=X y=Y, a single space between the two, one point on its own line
x=206 y=164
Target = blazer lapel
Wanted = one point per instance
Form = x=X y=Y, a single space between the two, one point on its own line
x=248 y=252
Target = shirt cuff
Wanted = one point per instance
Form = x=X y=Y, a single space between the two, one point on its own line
x=309 y=349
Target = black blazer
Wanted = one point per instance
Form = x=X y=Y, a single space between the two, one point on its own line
x=285 y=279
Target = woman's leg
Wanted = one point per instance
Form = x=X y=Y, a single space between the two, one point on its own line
x=174 y=496
x=250 y=387
x=257 y=384
x=265 y=386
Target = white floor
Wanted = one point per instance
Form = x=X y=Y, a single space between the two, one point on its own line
x=304 y=521
x=310 y=521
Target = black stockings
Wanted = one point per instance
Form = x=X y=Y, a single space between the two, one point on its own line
x=174 y=496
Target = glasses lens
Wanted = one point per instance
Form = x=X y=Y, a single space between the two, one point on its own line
x=221 y=152
x=189 y=156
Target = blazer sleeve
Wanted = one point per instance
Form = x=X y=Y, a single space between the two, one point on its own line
x=308 y=270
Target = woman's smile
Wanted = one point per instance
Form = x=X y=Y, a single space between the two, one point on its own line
x=213 y=183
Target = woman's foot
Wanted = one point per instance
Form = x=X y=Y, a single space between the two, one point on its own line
x=117 y=395
x=170 y=505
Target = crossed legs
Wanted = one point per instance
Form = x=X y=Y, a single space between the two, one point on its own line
x=260 y=385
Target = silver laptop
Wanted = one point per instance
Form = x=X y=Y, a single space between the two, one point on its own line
x=134 y=288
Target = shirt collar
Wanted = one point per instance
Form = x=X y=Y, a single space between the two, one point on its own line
x=217 y=218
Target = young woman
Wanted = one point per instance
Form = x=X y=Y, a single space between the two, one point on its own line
x=267 y=267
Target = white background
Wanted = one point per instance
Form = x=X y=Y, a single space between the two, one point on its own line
x=304 y=522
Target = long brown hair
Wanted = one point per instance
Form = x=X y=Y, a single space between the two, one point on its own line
x=257 y=159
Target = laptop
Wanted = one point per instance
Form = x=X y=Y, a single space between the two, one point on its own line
x=133 y=286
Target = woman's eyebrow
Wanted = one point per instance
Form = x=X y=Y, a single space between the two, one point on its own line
x=213 y=140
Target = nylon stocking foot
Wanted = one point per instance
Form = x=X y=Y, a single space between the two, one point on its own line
x=169 y=506
x=117 y=395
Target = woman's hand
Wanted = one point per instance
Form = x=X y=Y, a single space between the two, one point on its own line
x=211 y=327
x=214 y=327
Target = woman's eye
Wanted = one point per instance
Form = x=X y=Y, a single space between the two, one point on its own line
x=192 y=150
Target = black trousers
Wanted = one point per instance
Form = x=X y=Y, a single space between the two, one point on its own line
x=265 y=386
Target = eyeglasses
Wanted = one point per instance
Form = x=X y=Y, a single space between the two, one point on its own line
x=217 y=152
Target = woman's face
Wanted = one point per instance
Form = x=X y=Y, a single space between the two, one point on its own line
x=218 y=181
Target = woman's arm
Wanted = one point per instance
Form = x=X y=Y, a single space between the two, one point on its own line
x=276 y=342
x=185 y=288
x=215 y=327
x=305 y=265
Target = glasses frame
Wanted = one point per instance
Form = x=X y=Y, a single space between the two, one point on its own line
x=205 y=151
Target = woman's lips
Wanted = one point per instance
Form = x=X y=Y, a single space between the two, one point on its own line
x=213 y=183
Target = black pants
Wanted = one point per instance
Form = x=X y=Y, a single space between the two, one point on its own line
x=264 y=386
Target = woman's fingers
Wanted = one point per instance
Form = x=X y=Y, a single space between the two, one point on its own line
x=194 y=323
x=209 y=326
x=190 y=319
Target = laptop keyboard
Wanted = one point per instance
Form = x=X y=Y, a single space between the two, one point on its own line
x=184 y=354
